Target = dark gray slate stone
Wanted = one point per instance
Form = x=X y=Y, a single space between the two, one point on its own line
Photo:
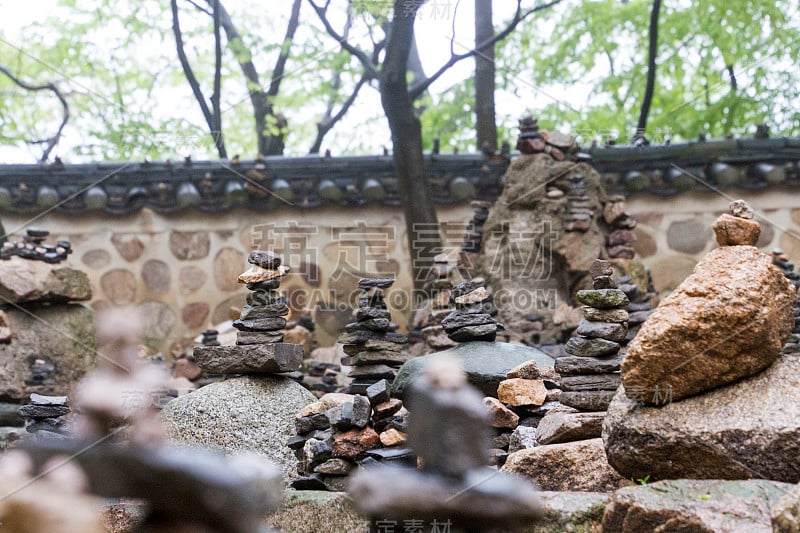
x=260 y=324
x=587 y=400
x=604 y=330
x=571 y=365
x=590 y=382
x=264 y=259
x=375 y=283
x=484 y=332
x=603 y=298
x=485 y=363
x=251 y=359
x=582 y=346
x=42 y=411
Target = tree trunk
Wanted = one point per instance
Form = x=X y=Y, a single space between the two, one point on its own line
x=416 y=196
x=651 y=69
x=485 y=125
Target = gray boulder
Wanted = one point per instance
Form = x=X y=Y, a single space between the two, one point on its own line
x=245 y=413
x=750 y=429
x=694 y=505
x=26 y=281
x=485 y=363
x=48 y=352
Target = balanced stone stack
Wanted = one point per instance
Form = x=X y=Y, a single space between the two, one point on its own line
x=263 y=318
x=370 y=346
x=341 y=431
x=259 y=348
x=579 y=205
x=474 y=234
x=619 y=241
x=439 y=287
x=533 y=141
x=43 y=415
x=590 y=369
x=32 y=246
x=470 y=320
x=782 y=262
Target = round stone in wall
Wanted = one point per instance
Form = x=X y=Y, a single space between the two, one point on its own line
x=688 y=236
x=669 y=272
x=119 y=286
x=156 y=275
x=223 y=310
x=228 y=264
x=191 y=278
x=159 y=319
x=130 y=247
x=194 y=315
x=188 y=245
x=790 y=244
x=98 y=258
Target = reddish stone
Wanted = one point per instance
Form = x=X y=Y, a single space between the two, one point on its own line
x=156 y=275
x=355 y=443
x=189 y=245
x=500 y=416
x=130 y=247
x=386 y=409
x=195 y=314
x=620 y=236
x=119 y=286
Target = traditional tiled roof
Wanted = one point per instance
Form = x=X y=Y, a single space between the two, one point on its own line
x=120 y=188
x=303 y=182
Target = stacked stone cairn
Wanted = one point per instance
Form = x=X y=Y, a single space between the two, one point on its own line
x=620 y=239
x=341 y=431
x=43 y=415
x=470 y=320
x=782 y=262
x=32 y=246
x=259 y=348
x=579 y=206
x=590 y=368
x=640 y=306
x=439 y=287
x=531 y=140
x=369 y=343
x=474 y=234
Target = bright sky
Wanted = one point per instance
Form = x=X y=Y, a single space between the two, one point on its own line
x=434 y=26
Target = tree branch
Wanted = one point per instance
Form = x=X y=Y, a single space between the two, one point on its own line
x=280 y=64
x=417 y=89
x=651 y=69
x=52 y=141
x=216 y=96
x=370 y=67
x=325 y=125
x=192 y=79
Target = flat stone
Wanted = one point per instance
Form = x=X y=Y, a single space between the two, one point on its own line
x=373 y=371
x=264 y=285
x=575 y=365
x=465 y=287
x=693 y=342
x=256 y=274
x=374 y=358
x=531 y=370
x=362 y=337
x=476 y=296
x=612 y=331
x=24 y=281
x=373 y=345
x=456 y=320
x=602 y=282
x=375 y=283
x=367 y=313
x=695 y=505
x=264 y=259
x=735 y=231
x=484 y=332
x=587 y=400
x=375 y=324
x=556 y=427
x=572 y=466
x=500 y=416
x=520 y=392
x=250 y=359
x=264 y=311
x=244 y=338
x=242 y=413
x=605 y=315
x=260 y=324
x=590 y=382
x=581 y=346
x=603 y=298
x=41 y=399
x=42 y=411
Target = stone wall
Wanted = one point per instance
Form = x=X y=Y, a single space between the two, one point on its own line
x=674 y=233
x=181 y=269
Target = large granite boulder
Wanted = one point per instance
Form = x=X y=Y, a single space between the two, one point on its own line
x=244 y=413
x=573 y=466
x=48 y=352
x=725 y=322
x=485 y=363
x=26 y=281
x=694 y=506
x=750 y=429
